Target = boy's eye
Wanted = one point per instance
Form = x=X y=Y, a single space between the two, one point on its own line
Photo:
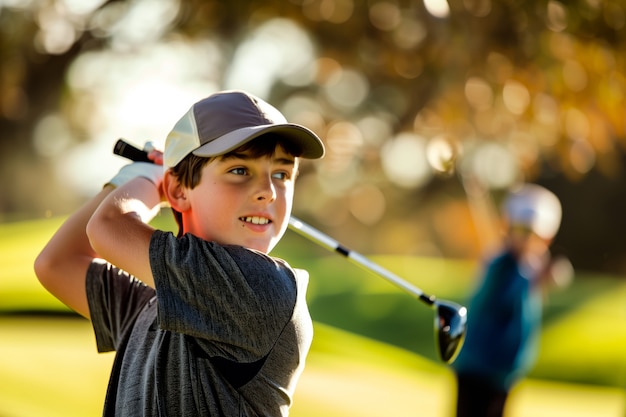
x=238 y=171
x=281 y=175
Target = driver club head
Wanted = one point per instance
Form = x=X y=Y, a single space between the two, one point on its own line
x=450 y=326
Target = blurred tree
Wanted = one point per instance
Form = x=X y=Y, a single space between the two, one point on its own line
x=410 y=96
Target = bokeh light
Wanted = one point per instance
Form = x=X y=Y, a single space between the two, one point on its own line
x=277 y=49
x=57 y=34
x=404 y=160
x=339 y=169
x=437 y=8
x=367 y=204
x=556 y=15
x=346 y=88
x=385 y=15
x=574 y=75
x=479 y=93
x=582 y=156
x=146 y=92
x=493 y=164
x=516 y=97
x=409 y=33
x=441 y=154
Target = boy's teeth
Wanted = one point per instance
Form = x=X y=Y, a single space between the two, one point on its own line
x=256 y=220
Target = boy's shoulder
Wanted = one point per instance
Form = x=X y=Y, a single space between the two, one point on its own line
x=195 y=252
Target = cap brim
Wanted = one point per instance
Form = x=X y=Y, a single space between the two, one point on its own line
x=311 y=145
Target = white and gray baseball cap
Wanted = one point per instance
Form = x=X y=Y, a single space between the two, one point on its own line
x=226 y=120
x=534 y=207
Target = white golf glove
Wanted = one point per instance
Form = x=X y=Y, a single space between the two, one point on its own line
x=148 y=170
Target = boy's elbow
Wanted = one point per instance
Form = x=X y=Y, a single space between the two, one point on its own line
x=51 y=265
x=44 y=267
x=98 y=230
x=39 y=266
x=92 y=231
x=63 y=276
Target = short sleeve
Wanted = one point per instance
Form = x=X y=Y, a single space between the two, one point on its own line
x=236 y=301
x=115 y=300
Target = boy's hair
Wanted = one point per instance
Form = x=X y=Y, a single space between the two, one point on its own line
x=189 y=171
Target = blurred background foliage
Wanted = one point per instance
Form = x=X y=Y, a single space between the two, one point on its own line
x=417 y=102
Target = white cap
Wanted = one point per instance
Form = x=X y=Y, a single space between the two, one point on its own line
x=228 y=119
x=534 y=207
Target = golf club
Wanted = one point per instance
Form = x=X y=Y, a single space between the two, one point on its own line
x=450 y=317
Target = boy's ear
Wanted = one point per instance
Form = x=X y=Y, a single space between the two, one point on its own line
x=175 y=192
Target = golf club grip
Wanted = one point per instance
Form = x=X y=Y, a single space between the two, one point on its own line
x=125 y=149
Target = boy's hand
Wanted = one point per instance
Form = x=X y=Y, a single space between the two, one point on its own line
x=152 y=171
x=154 y=154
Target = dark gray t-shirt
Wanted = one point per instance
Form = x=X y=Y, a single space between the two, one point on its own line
x=226 y=332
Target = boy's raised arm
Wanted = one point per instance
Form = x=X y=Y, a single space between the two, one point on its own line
x=118 y=229
x=117 y=234
x=62 y=264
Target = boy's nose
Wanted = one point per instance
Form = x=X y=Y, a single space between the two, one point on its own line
x=266 y=190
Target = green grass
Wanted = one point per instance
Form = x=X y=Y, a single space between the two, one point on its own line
x=19 y=244
x=373 y=352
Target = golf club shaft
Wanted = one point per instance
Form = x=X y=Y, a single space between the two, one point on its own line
x=126 y=150
x=329 y=243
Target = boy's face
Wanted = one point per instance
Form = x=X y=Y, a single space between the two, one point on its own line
x=243 y=200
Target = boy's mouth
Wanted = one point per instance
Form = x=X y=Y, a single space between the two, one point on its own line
x=255 y=220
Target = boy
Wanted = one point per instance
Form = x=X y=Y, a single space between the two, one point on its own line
x=504 y=315
x=205 y=323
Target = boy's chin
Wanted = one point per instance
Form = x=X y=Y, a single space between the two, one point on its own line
x=261 y=245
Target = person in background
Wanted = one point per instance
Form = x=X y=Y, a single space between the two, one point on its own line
x=505 y=311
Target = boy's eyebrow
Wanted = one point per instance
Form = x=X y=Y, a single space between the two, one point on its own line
x=285 y=161
x=247 y=157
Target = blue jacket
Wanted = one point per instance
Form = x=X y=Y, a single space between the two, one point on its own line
x=503 y=323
